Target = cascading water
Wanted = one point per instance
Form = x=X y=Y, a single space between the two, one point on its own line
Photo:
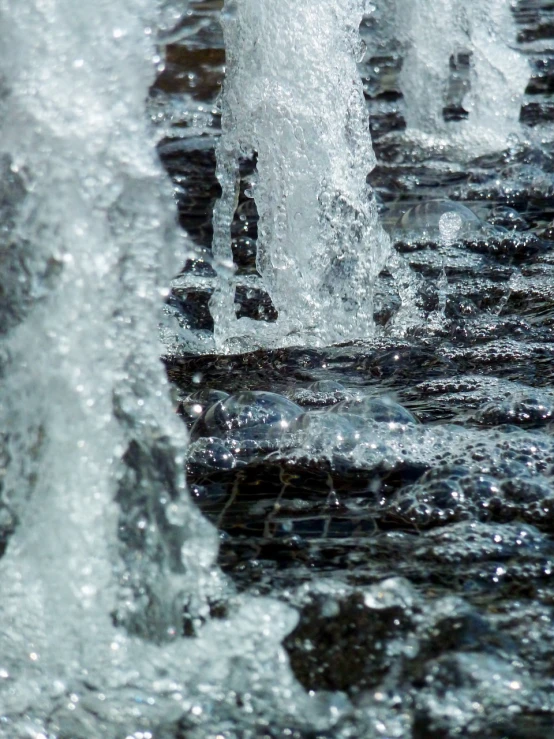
x=107 y=546
x=107 y=558
x=85 y=416
x=431 y=33
x=299 y=109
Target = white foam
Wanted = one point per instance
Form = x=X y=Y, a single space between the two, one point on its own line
x=84 y=402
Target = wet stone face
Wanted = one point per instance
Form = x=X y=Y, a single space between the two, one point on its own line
x=342 y=644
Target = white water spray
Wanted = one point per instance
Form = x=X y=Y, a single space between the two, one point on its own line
x=294 y=99
x=108 y=550
x=430 y=32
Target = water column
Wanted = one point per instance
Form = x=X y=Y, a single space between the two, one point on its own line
x=294 y=100
x=431 y=32
x=499 y=73
x=94 y=480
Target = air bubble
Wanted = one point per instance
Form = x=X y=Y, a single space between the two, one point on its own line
x=255 y=416
x=379 y=410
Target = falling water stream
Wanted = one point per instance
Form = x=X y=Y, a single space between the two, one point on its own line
x=359 y=344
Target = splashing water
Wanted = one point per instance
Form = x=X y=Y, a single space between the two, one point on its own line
x=294 y=100
x=109 y=559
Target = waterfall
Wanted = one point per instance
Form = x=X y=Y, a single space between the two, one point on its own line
x=431 y=34
x=293 y=101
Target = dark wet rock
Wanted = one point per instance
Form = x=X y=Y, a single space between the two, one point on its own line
x=529 y=412
x=508 y=218
x=471 y=542
x=255 y=304
x=533 y=114
x=8 y=523
x=460 y=307
x=199 y=266
x=347 y=643
x=191 y=164
x=450 y=624
x=471 y=693
x=443 y=495
x=190 y=307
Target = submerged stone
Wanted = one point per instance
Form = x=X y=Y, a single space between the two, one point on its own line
x=526 y=411
x=347 y=641
x=481 y=542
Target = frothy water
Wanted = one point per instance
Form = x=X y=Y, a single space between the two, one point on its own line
x=94 y=472
x=110 y=562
